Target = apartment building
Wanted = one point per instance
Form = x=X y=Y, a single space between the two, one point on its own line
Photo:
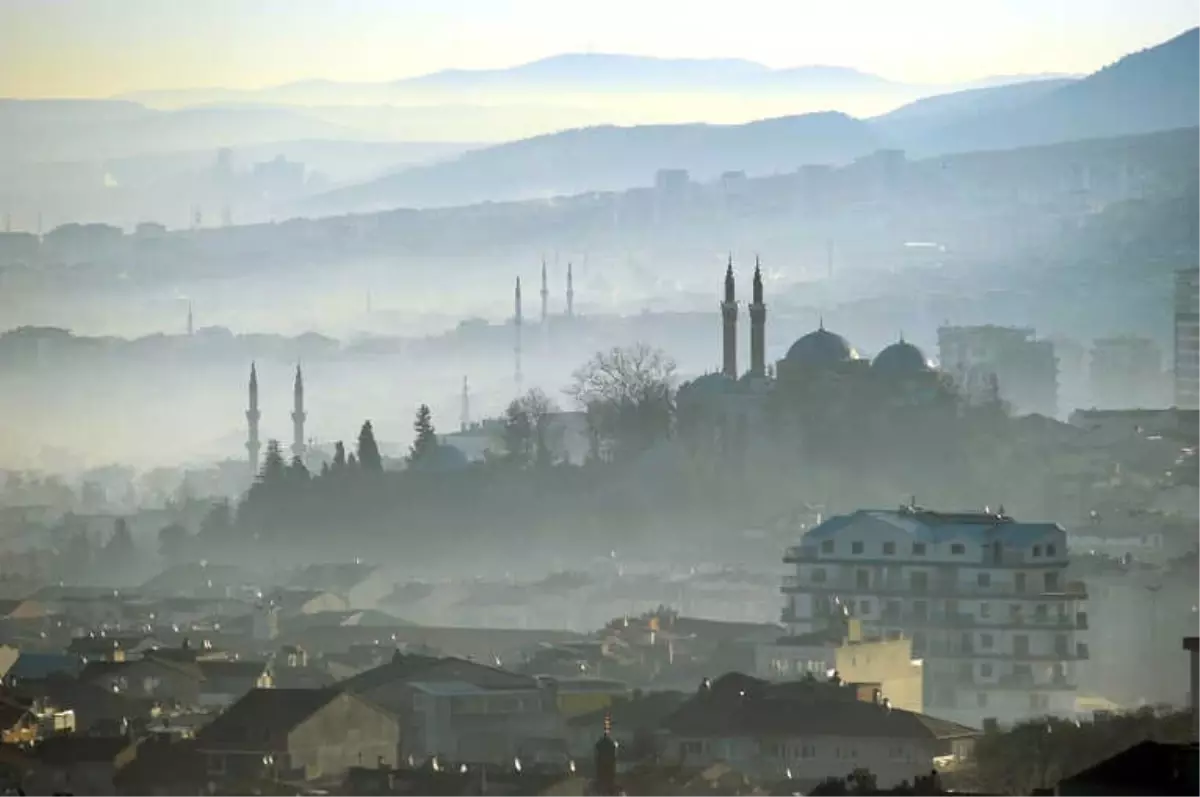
x=1187 y=339
x=982 y=596
x=1024 y=367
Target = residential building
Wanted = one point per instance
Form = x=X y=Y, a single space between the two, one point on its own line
x=462 y=710
x=1192 y=645
x=1187 y=339
x=309 y=734
x=69 y=764
x=1024 y=368
x=806 y=732
x=842 y=648
x=983 y=597
x=1126 y=372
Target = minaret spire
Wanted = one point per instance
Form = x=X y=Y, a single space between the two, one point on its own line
x=517 y=319
x=252 y=416
x=299 y=447
x=570 y=291
x=545 y=293
x=729 y=315
x=190 y=328
x=758 y=326
x=464 y=421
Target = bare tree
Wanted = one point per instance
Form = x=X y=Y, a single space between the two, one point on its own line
x=529 y=434
x=629 y=397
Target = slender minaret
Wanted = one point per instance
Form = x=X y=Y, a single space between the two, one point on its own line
x=729 y=315
x=252 y=416
x=517 y=329
x=758 y=327
x=606 y=760
x=464 y=421
x=570 y=292
x=545 y=294
x=190 y=328
x=298 y=416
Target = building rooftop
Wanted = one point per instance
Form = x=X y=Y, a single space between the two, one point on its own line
x=926 y=525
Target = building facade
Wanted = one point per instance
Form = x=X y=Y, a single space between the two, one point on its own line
x=982 y=596
x=1187 y=339
x=1126 y=372
x=1025 y=367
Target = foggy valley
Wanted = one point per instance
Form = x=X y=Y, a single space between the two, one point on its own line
x=460 y=419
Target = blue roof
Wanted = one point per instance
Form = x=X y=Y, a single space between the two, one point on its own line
x=938 y=527
x=37 y=666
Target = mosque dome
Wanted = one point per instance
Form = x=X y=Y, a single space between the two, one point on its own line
x=900 y=359
x=820 y=349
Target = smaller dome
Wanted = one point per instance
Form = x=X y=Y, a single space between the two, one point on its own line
x=715 y=384
x=820 y=348
x=900 y=359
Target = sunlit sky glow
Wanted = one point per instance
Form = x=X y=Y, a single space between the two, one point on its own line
x=97 y=48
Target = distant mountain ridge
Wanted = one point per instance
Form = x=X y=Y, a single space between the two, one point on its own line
x=1155 y=89
x=579 y=72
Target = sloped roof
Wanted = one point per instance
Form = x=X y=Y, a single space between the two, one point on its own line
x=335 y=577
x=262 y=718
x=1145 y=768
x=741 y=705
x=65 y=750
x=430 y=669
x=937 y=527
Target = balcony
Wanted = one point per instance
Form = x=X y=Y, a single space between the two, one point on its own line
x=799 y=553
x=898 y=588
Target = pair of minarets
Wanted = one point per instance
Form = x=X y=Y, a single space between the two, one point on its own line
x=758 y=326
x=519 y=317
x=253 y=444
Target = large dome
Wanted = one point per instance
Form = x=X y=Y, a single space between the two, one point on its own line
x=820 y=348
x=900 y=359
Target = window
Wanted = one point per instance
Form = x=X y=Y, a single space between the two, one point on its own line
x=818 y=575
x=1021 y=579
x=1051 y=582
x=985 y=610
x=862 y=579
x=889 y=549
x=892 y=610
x=1039 y=701
x=985 y=670
x=981 y=699
x=958 y=549
x=216 y=764
x=918 y=549
x=827 y=546
x=983 y=579
x=1051 y=550
x=1039 y=612
x=986 y=641
x=1020 y=645
x=691 y=748
x=864 y=608
x=1037 y=550
x=920 y=610
x=856 y=547
x=918 y=643
x=918 y=581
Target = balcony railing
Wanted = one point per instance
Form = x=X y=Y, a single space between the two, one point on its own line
x=901 y=588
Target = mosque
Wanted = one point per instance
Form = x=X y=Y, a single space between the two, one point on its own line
x=820 y=364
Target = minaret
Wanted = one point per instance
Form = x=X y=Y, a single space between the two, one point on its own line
x=729 y=315
x=517 y=328
x=298 y=416
x=606 y=760
x=190 y=327
x=545 y=294
x=252 y=416
x=570 y=292
x=465 y=419
x=758 y=327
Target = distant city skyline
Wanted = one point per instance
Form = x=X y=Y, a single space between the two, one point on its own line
x=92 y=48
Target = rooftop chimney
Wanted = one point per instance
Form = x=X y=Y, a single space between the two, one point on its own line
x=1192 y=645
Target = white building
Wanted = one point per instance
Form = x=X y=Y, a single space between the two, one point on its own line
x=982 y=597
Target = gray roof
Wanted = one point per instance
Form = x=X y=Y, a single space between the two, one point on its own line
x=937 y=527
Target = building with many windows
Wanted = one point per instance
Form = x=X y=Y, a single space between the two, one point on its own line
x=982 y=596
x=1187 y=339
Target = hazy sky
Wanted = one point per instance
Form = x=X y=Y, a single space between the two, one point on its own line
x=89 y=48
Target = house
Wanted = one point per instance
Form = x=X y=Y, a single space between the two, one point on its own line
x=25 y=609
x=635 y=724
x=18 y=725
x=811 y=730
x=151 y=678
x=465 y=711
x=101 y=647
x=307 y=733
x=70 y=764
x=294 y=602
x=225 y=682
x=842 y=647
x=36 y=666
x=199 y=580
x=92 y=706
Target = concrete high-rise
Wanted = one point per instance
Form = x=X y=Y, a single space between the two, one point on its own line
x=1187 y=339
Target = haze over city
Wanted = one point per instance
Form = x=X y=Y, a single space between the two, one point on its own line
x=614 y=398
